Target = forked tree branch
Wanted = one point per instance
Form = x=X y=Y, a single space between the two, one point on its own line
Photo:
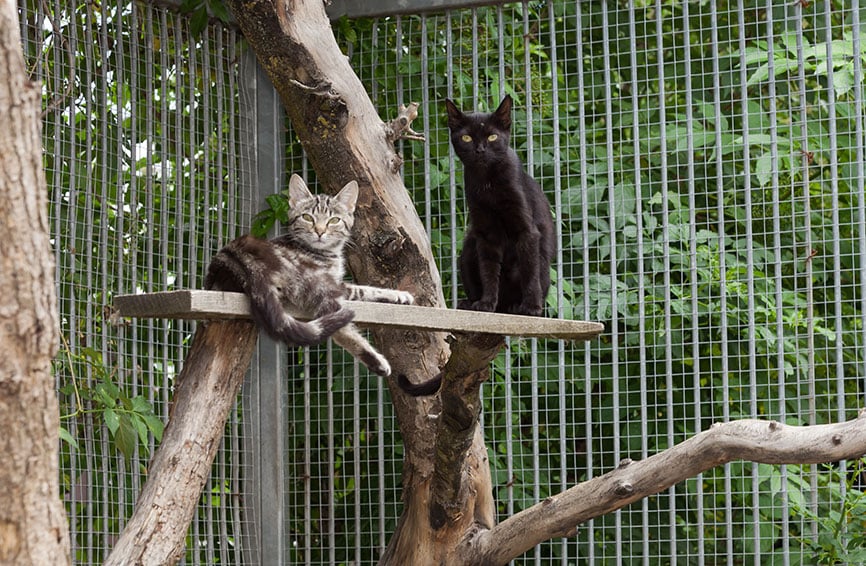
x=766 y=442
x=467 y=368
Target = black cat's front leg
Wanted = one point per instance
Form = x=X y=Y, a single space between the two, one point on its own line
x=487 y=270
x=532 y=303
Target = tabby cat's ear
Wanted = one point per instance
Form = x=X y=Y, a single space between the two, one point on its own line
x=348 y=195
x=454 y=113
x=502 y=115
x=298 y=190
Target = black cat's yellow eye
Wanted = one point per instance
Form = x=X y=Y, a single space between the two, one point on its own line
x=307 y=217
x=492 y=137
x=466 y=138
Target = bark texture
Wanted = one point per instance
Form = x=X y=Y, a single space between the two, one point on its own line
x=207 y=389
x=344 y=138
x=33 y=527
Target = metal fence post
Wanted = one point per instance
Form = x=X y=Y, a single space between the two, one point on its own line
x=264 y=391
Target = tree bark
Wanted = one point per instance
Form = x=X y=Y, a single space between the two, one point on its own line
x=207 y=389
x=33 y=527
x=344 y=139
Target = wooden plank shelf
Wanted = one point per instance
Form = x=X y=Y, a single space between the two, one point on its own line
x=205 y=305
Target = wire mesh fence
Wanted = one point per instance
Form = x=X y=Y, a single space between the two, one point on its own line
x=705 y=163
x=143 y=157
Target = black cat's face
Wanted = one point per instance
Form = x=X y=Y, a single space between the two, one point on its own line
x=480 y=139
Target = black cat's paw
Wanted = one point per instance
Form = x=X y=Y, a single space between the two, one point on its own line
x=484 y=306
x=527 y=310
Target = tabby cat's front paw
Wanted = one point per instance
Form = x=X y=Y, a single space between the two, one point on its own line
x=403 y=298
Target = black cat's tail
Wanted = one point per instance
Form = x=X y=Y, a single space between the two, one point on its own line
x=422 y=389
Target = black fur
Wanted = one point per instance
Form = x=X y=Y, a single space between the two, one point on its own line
x=510 y=242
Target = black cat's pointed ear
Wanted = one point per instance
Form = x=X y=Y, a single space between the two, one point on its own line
x=298 y=190
x=348 y=195
x=454 y=113
x=503 y=113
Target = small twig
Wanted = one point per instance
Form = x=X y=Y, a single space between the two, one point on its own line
x=322 y=89
x=400 y=128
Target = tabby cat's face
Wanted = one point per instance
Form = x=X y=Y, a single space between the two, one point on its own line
x=320 y=221
x=480 y=139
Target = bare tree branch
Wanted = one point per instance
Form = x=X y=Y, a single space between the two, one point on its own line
x=467 y=368
x=767 y=442
x=206 y=391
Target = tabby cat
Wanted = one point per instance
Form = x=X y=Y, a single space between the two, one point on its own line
x=510 y=241
x=300 y=274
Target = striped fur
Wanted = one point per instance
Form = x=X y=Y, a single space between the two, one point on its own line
x=300 y=274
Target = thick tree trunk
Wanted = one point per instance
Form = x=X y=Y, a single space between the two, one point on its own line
x=33 y=527
x=207 y=389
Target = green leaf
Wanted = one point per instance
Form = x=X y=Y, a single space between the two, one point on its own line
x=262 y=224
x=279 y=205
x=198 y=21
x=155 y=425
x=126 y=437
x=140 y=427
x=68 y=438
x=112 y=420
x=764 y=169
x=141 y=405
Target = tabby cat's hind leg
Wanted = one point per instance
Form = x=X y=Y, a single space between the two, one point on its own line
x=271 y=316
x=353 y=342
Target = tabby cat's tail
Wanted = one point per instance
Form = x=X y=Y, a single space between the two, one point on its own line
x=271 y=317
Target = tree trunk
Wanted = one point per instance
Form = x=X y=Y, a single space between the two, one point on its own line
x=33 y=527
x=207 y=389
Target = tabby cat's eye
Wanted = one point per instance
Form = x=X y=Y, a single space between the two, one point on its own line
x=307 y=217
x=466 y=138
x=333 y=220
x=492 y=137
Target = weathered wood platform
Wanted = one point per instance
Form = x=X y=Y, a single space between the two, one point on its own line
x=204 y=305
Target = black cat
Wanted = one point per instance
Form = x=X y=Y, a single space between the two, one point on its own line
x=510 y=242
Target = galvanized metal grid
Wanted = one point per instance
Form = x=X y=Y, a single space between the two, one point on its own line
x=724 y=258
x=631 y=116
x=144 y=158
